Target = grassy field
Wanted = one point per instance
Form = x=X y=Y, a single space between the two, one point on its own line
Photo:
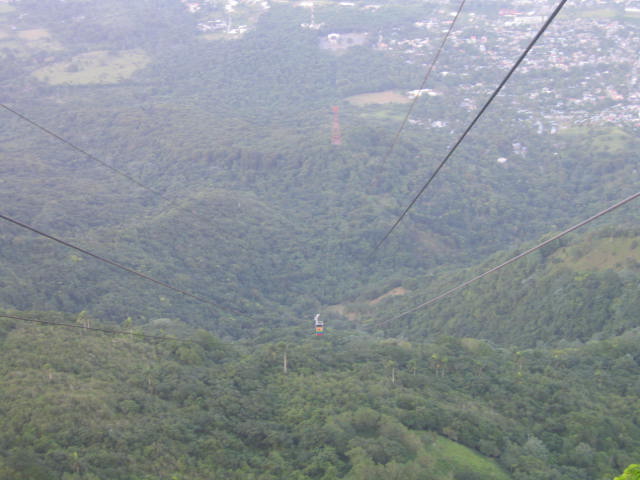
x=387 y=113
x=602 y=139
x=4 y=8
x=23 y=43
x=451 y=457
x=99 y=67
x=600 y=254
x=377 y=98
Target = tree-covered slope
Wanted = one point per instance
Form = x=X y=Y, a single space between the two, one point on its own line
x=288 y=225
x=238 y=130
x=81 y=404
x=572 y=290
x=530 y=374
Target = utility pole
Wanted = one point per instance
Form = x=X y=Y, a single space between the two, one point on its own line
x=284 y=361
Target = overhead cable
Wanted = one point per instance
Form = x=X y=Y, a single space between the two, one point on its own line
x=514 y=259
x=104 y=330
x=120 y=266
x=82 y=151
x=472 y=124
x=422 y=85
x=103 y=163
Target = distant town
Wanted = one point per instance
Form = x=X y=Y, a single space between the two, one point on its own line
x=583 y=71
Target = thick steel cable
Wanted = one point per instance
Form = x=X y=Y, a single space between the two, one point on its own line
x=120 y=266
x=513 y=259
x=115 y=170
x=96 y=329
x=82 y=151
x=472 y=124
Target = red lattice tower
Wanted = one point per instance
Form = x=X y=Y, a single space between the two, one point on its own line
x=336 y=135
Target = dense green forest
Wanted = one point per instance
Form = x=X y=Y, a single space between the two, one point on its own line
x=530 y=374
x=80 y=404
x=570 y=291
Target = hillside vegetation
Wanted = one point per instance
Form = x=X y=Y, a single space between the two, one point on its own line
x=252 y=116
x=571 y=291
x=530 y=374
x=84 y=405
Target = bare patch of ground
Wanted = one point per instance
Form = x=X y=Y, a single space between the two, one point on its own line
x=398 y=291
x=34 y=34
x=342 y=310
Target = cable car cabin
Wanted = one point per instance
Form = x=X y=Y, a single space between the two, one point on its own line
x=319 y=324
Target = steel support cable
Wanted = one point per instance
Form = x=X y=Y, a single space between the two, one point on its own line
x=193 y=213
x=472 y=124
x=125 y=332
x=422 y=85
x=105 y=164
x=82 y=151
x=120 y=266
x=513 y=259
x=104 y=330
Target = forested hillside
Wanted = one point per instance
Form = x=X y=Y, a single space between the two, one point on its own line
x=569 y=292
x=80 y=404
x=192 y=143
x=238 y=132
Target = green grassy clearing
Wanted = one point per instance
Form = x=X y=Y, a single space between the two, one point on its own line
x=600 y=254
x=451 y=457
x=389 y=96
x=602 y=139
x=382 y=113
x=99 y=67
x=4 y=8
